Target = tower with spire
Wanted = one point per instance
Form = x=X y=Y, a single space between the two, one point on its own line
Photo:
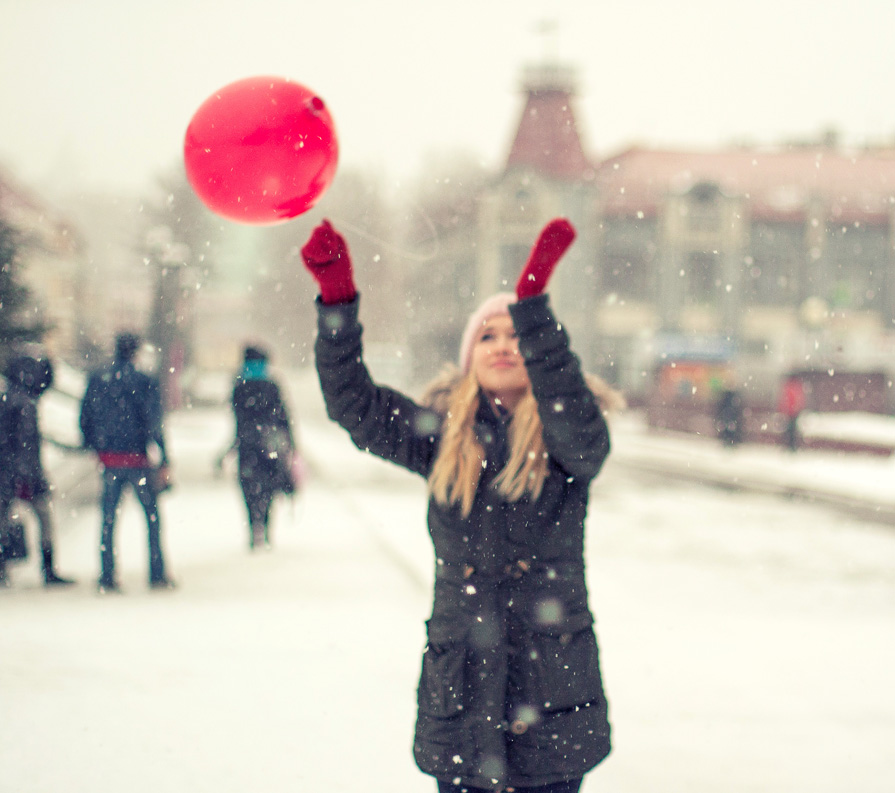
x=547 y=140
x=547 y=174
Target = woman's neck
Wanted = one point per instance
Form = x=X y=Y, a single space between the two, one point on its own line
x=504 y=403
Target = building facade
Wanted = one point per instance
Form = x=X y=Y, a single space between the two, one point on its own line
x=764 y=260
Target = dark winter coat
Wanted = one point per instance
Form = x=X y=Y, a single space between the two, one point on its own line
x=122 y=411
x=263 y=434
x=21 y=466
x=510 y=691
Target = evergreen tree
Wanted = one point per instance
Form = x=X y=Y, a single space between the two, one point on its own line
x=15 y=297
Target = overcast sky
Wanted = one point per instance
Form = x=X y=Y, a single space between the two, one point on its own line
x=99 y=92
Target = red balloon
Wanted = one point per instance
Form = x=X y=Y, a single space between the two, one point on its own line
x=261 y=150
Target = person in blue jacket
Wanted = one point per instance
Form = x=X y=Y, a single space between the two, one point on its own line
x=121 y=419
x=510 y=694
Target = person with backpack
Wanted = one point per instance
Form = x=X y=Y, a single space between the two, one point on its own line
x=22 y=474
x=121 y=420
x=264 y=442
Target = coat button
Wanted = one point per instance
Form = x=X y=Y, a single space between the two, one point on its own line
x=519 y=727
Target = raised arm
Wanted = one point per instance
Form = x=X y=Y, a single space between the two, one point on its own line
x=575 y=431
x=379 y=420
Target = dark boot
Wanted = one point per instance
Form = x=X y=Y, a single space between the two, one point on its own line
x=50 y=576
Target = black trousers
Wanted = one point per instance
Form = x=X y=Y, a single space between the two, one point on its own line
x=569 y=786
x=258 y=496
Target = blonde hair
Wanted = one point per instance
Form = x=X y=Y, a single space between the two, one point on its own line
x=457 y=470
x=458 y=467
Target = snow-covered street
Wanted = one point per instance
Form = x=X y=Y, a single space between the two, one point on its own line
x=747 y=640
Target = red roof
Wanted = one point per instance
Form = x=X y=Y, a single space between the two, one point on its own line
x=547 y=139
x=779 y=184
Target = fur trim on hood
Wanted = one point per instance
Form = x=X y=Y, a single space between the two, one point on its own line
x=437 y=394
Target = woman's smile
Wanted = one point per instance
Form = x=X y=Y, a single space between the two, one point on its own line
x=504 y=363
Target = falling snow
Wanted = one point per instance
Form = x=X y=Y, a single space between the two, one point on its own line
x=744 y=637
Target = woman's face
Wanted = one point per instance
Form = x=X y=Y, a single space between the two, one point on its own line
x=497 y=364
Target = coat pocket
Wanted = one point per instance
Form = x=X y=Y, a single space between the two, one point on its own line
x=563 y=662
x=442 y=688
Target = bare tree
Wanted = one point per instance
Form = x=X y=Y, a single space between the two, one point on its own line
x=179 y=241
x=441 y=213
x=284 y=296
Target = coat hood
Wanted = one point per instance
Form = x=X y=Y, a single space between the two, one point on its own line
x=437 y=394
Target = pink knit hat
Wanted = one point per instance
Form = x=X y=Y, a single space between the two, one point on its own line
x=494 y=305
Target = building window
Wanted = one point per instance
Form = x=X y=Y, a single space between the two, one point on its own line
x=703 y=219
x=769 y=281
x=628 y=259
x=512 y=260
x=856 y=256
x=771 y=269
x=626 y=277
x=703 y=209
x=701 y=278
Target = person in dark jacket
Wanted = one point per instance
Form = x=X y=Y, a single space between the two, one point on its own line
x=729 y=417
x=121 y=419
x=510 y=694
x=264 y=442
x=22 y=474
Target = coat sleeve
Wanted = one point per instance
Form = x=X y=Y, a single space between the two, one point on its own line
x=86 y=418
x=281 y=415
x=155 y=416
x=379 y=420
x=5 y=456
x=575 y=431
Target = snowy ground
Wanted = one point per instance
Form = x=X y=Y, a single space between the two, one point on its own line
x=747 y=639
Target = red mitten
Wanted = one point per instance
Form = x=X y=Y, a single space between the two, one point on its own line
x=326 y=257
x=552 y=243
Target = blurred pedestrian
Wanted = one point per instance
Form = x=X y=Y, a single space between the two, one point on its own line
x=122 y=420
x=22 y=475
x=264 y=442
x=510 y=694
x=792 y=403
x=729 y=417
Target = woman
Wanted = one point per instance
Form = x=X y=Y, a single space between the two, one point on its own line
x=264 y=442
x=510 y=695
x=22 y=474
